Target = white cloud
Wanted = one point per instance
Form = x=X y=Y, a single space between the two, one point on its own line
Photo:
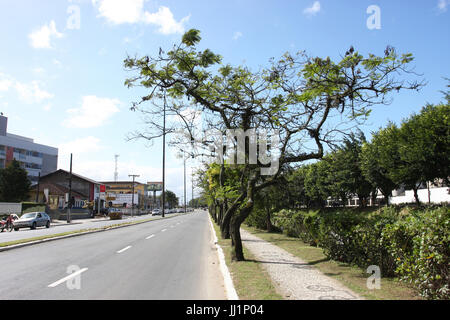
x=5 y=84
x=38 y=70
x=94 y=111
x=237 y=35
x=47 y=107
x=120 y=11
x=443 y=4
x=313 y=10
x=165 y=21
x=81 y=145
x=57 y=63
x=41 y=38
x=132 y=11
x=31 y=93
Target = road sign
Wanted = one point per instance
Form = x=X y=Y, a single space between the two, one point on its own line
x=102 y=188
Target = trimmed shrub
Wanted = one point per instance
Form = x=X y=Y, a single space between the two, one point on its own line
x=413 y=244
x=421 y=245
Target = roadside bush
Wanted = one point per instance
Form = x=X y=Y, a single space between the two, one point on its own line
x=412 y=243
x=420 y=243
x=257 y=218
x=115 y=215
x=32 y=207
x=299 y=224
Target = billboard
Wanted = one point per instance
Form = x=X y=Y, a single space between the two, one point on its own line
x=120 y=199
x=154 y=186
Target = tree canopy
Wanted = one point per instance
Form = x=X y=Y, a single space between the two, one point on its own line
x=304 y=103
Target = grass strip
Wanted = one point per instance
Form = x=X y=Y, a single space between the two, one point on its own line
x=352 y=277
x=250 y=280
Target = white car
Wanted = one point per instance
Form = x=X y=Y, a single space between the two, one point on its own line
x=156 y=212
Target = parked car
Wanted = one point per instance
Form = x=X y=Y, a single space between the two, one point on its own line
x=156 y=212
x=32 y=220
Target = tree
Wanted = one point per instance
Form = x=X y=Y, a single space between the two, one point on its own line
x=14 y=183
x=350 y=167
x=171 y=199
x=293 y=99
x=379 y=158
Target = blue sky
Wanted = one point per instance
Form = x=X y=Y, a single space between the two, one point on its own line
x=61 y=78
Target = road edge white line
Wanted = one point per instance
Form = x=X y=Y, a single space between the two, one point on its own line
x=229 y=286
x=70 y=276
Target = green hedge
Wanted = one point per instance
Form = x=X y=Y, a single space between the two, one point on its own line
x=413 y=244
x=32 y=207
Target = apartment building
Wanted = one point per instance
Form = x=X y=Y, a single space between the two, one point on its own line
x=33 y=157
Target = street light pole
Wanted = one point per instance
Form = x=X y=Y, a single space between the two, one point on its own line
x=192 y=182
x=69 y=206
x=184 y=156
x=164 y=160
x=132 y=196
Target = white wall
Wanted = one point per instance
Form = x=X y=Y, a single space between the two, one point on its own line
x=437 y=195
x=7 y=207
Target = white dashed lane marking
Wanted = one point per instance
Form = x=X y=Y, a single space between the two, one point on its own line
x=124 y=249
x=70 y=276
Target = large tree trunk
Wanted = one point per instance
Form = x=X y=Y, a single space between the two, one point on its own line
x=237 y=251
x=416 y=196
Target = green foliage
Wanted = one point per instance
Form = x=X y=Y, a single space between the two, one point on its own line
x=32 y=207
x=191 y=37
x=411 y=244
x=421 y=245
x=171 y=198
x=14 y=183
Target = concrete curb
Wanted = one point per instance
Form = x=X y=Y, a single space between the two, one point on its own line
x=229 y=286
x=30 y=243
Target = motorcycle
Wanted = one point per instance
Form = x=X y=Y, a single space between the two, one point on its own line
x=6 y=225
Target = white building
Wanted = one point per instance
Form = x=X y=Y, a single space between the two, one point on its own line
x=33 y=157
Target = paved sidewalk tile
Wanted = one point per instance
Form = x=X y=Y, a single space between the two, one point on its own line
x=293 y=277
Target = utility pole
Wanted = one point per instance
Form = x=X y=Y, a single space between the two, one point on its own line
x=116 y=173
x=164 y=160
x=132 y=196
x=184 y=163
x=69 y=206
x=192 y=182
x=37 y=192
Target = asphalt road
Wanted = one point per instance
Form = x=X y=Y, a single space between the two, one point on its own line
x=170 y=259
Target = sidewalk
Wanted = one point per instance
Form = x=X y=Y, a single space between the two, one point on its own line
x=294 y=278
